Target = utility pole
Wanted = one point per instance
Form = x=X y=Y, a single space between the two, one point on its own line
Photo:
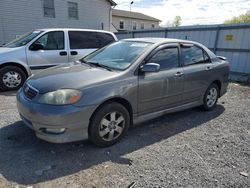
x=131 y=3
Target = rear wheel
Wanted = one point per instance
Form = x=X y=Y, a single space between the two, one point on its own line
x=11 y=78
x=109 y=124
x=211 y=97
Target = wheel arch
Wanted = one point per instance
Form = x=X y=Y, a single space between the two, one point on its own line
x=16 y=65
x=218 y=83
x=119 y=100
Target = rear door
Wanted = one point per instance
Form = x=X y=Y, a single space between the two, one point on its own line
x=84 y=42
x=54 y=52
x=163 y=89
x=197 y=68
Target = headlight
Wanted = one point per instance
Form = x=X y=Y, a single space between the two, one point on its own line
x=61 y=97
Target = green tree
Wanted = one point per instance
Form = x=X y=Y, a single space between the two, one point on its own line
x=243 y=18
x=177 y=21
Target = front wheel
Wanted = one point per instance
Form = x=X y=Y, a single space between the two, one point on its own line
x=11 y=78
x=211 y=97
x=109 y=124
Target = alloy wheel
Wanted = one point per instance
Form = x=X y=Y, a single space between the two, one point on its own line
x=212 y=97
x=111 y=126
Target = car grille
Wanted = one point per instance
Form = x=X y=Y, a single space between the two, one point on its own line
x=29 y=91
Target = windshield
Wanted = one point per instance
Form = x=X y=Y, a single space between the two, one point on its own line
x=119 y=55
x=23 y=40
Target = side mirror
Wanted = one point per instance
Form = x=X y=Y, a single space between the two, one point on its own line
x=36 y=47
x=150 y=67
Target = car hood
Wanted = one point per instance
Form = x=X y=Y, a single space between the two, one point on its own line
x=69 y=76
x=4 y=50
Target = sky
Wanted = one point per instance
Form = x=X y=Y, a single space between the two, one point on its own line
x=192 y=12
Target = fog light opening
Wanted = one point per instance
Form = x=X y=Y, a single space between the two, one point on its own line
x=53 y=131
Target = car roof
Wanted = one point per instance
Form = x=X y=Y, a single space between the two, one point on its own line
x=159 y=40
x=73 y=29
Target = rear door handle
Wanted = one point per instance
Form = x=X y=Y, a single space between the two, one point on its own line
x=178 y=74
x=73 y=52
x=63 y=53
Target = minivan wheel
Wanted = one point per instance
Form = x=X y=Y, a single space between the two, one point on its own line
x=11 y=78
x=211 y=97
x=109 y=124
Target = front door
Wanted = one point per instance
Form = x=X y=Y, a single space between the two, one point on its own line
x=163 y=89
x=54 y=51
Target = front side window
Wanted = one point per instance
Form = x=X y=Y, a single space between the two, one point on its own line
x=194 y=55
x=25 y=39
x=121 y=25
x=89 y=40
x=153 y=26
x=49 y=8
x=118 y=55
x=167 y=58
x=73 y=10
x=52 y=40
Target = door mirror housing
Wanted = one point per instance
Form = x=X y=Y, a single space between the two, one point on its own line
x=36 y=47
x=150 y=67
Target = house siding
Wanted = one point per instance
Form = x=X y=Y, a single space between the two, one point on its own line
x=128 y=23
x=22 y=16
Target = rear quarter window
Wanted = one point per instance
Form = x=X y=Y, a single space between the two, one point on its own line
x=89 y=40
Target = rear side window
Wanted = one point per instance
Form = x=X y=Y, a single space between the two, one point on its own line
x=167 y=58
x=89 y=40
x=194 y=55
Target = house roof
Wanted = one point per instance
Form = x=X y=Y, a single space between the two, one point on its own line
x=112 y=2
x=136 y=15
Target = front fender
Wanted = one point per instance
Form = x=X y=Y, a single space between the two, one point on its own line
x=96 y=95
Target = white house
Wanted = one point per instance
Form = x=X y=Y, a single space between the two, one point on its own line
x=123 y=20
x=20 y=16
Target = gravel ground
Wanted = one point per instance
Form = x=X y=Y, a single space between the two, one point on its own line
x=191 y=148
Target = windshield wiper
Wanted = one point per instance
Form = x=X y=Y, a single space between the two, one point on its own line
x=82 y=61
x=100 y=65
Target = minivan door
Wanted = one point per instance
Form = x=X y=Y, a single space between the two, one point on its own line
x=163 y=89
x=82 y=43
x=48 y=50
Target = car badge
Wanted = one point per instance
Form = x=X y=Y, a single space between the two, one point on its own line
x=26 y=89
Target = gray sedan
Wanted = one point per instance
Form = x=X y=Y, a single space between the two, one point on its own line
x=124 y=83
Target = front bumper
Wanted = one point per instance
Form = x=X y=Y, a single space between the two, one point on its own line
x=41 y=117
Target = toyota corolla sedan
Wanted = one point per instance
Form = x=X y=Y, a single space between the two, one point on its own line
x=122 y=84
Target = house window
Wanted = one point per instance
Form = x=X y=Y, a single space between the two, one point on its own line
x=134 y=26
x=153 y=26
x=73 y=10
x=142 y=25
x=121 y=25
x=49 y=8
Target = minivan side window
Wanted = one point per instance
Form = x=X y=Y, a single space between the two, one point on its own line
x=167 y=58
x=194 y=55
x=89 y=40
x=52 y=40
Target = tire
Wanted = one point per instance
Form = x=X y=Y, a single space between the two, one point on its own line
x=109 y=124
x=211 y=97
x=11 y=78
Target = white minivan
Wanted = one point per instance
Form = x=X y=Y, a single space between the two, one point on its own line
x=45 y=48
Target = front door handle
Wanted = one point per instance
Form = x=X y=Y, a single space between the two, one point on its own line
x=209 y=68
x=178 y=74
x=63 y=53
x=73 y=52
